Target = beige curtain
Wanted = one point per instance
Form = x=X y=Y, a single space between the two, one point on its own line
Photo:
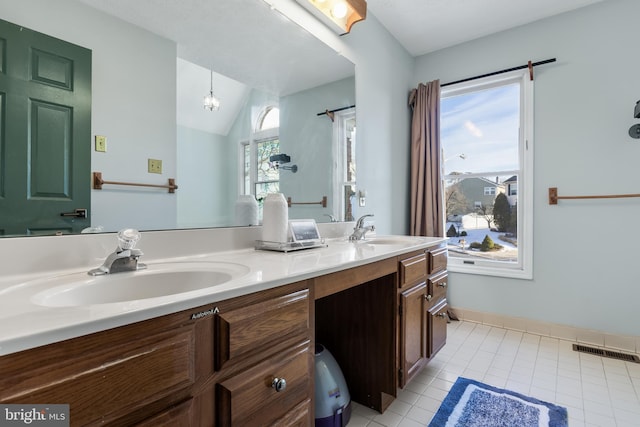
x=426 y=188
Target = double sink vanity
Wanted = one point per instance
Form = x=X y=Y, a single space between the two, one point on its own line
x=225 y=337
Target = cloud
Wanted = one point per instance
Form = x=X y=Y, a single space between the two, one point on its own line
x=472 y=129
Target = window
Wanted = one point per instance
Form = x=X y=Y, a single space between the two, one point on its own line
x=259 y=177
x=487 y=164
x=489 y=191
x=344 y=141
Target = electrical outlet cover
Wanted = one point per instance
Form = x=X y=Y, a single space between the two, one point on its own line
x=154 y=166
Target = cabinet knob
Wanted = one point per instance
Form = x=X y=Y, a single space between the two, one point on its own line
x=279 y=384
x=428 y=297
x=443 y=315
x=443 y=284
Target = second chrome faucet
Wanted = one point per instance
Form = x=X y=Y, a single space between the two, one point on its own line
x=360 y=230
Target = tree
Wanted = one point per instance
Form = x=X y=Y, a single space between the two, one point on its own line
x=486 y=212
x=456 y=203
x=502 y=213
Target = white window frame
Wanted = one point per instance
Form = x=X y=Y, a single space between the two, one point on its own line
x=523 y=269
x=489 y=191
x=340 y=160
x=256 y=136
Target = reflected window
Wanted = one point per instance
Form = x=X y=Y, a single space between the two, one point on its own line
x=345 y=172
x=259 y=176
x=269 y=119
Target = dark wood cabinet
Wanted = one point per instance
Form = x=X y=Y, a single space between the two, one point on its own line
x=208 y=366
x=422 y=310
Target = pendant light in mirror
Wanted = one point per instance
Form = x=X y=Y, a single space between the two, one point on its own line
x=211 y=102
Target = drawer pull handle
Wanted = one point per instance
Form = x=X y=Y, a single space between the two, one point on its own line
x=443 y=315
x=279 y=384
x=428 y=297
x=443 y=284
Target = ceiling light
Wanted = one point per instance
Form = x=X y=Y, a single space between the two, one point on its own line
x=339 y=15
x=211 y=103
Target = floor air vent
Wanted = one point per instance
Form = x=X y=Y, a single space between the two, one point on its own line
x=606 y=353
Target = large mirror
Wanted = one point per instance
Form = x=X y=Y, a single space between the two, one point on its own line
x=153 y=62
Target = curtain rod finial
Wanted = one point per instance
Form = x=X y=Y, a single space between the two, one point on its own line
x=331 y=115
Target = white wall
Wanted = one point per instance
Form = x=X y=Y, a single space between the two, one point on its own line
x=585 y=252
x=308 y=139
x=204 y=198
x=133 y=104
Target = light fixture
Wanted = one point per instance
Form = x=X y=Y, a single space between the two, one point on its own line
x=211 y=103
x=277 y=161
x=339 y=15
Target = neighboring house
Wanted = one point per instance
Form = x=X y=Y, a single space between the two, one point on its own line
x=470 y=194
x=511 y=186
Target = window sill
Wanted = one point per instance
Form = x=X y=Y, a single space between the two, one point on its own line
x=485 y=270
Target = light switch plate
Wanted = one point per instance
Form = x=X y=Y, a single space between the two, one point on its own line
x=101 y=143
x=154 y=166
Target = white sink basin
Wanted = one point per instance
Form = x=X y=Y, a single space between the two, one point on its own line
x=157 y=280
x=385 y=240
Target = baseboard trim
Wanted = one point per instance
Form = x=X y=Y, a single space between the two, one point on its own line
x=569 y=333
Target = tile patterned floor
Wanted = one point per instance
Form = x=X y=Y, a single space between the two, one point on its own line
x=596 y=391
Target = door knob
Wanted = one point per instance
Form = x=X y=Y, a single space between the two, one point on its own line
x=77 y=213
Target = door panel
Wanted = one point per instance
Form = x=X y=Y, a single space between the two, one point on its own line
x=49 y=151
x=45 y=132
x=413 y=333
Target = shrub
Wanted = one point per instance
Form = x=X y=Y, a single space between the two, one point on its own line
x=475 y=245
x=463 y=234
x=452 y=232
x=487 y=244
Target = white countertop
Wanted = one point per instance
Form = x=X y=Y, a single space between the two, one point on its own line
x=25 y=324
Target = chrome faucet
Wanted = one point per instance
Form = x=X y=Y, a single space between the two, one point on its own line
x=331 y=217
x=125 y=257
x=359 y=230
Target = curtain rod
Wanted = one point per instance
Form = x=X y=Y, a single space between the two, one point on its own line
x=530 y=65
x=337 y=109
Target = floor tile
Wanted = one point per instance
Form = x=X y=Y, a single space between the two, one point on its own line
x=596 y=391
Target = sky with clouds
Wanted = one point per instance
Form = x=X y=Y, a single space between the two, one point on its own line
x=483 y=126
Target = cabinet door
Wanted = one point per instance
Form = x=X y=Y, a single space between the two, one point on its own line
x=412 y=332
x=437 y=319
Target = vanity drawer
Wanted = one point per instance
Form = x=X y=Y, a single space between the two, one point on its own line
x=437 y=286
x=413 y=270
x=245 y=330
x=437 y=260
x=250 y=399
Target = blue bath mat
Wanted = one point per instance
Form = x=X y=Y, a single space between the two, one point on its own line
x=474 y=404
